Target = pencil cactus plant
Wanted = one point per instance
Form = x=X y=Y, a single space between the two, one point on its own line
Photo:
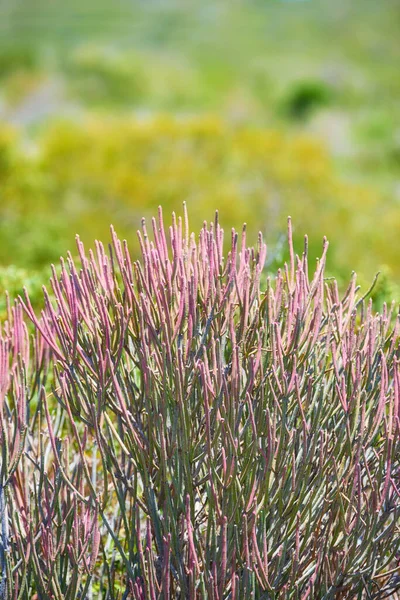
x=184 y=427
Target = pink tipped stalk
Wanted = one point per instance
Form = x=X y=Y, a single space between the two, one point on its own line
x=241 y=428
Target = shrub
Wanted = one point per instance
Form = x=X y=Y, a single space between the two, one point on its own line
x=17 y=58
x=103 y=77
x=85 y=175
x=12 y=282
x=196 y=436
x=304 y=97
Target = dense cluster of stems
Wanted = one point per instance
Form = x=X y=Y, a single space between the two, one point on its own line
x=185 y=427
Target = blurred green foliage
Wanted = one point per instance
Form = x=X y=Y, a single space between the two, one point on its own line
x=80 y=176
x=230 y=56
x=17 y=58
x=305 y=97
x=14 y=279
x=307 y=119
x=101 y=77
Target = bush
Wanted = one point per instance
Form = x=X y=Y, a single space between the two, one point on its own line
x=13 y=280
x=86 y=174
x=101 y=76
x=304 y=97
x=16 y=58
x=197 y=436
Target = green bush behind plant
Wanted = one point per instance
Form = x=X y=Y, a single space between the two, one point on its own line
x=337 y=78
x=78 y=176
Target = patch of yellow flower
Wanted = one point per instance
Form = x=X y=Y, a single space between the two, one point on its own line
x=86 y=174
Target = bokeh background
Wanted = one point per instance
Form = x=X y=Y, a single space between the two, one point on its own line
x=260 y=109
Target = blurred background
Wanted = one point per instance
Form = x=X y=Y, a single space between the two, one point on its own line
x=257 y=108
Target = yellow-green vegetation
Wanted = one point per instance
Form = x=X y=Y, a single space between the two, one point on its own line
x=292 y=84
x=78 y=177
x=265 y=61
x=12 y=282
